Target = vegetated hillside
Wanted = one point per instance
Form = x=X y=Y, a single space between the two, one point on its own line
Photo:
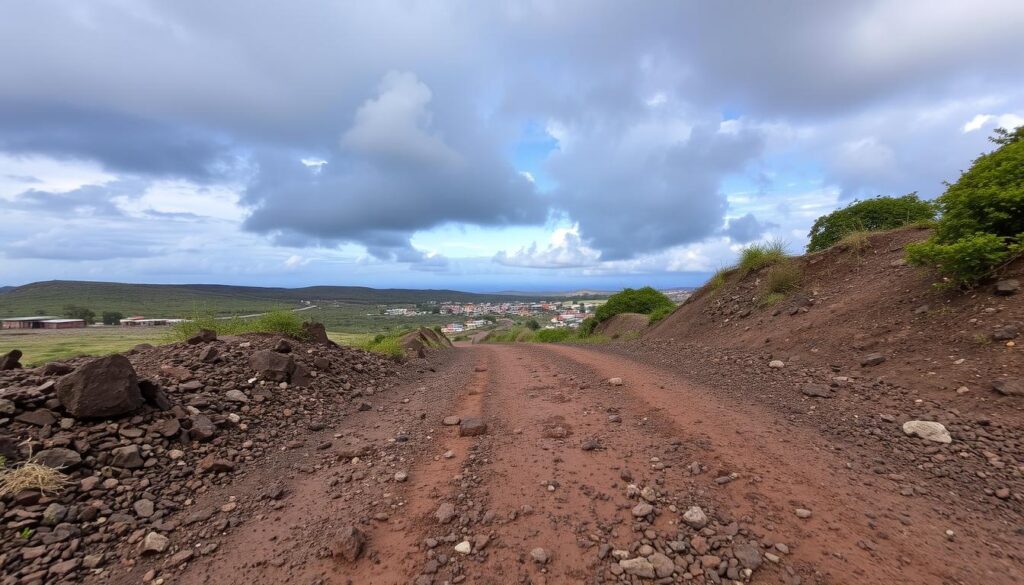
x=173 y=300
x=6 y=289
x=862 y=298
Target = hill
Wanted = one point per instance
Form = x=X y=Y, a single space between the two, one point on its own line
x=857 y=300
x=6 y=289
x=174 y=300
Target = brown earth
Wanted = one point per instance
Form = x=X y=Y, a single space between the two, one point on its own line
x=529 y=483
x=622 y=324
x=595 y=457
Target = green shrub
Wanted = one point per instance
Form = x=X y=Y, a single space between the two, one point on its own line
x=757 y=256
x=77 y=312
x=281 y=322
x=553 y=335
x=387 y=344
x=644 y=300
x=967 y=260
x=659 y=314
x=982 y=222
x=870 y=215
x=770 y=299
x=533 y=325
x=112 y=317
x=783 y=277
x=586 y=328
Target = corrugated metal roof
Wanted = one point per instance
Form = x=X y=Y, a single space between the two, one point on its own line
x=64 y=321
x=36 y=318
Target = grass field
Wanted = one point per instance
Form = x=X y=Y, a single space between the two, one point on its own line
x=41 y=346
x=167 y=300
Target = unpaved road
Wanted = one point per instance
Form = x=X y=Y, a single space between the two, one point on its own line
x=528 y=483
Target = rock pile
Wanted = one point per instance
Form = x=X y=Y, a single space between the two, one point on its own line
x=140 y=435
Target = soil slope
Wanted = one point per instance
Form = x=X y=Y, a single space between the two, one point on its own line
x=622 y=324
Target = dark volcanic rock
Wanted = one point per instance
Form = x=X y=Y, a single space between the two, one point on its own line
x=154 y=395
x=104 y=387
x=272 y=365
x=56 y=369
x=203 y=336
x=11 y=360
x=316 y=333
x=59 y=458
x=816 y=391
x=1009 y=387
x=472 y=427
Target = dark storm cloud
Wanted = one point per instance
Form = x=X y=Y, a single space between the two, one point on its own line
x=121 y=143
x=747 y=228
x=416 y=106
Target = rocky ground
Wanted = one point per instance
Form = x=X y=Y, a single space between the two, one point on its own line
x=644 y=462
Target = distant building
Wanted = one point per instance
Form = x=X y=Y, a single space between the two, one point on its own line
x=143 y=322
x=25 y=322
x=63 y=323
x=40 y=322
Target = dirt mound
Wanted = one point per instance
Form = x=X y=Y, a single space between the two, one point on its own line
x=622 y=324
x=418 y=343
x=862 y=308
x=208 y=414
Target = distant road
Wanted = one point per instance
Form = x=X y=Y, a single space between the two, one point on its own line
x=261 y=314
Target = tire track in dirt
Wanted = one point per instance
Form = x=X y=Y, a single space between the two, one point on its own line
x=856 y=534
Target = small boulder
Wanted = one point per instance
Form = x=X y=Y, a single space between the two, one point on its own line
x=59 y=458
x=209 y=355
x=349 y=543
x=56 y=369
x=776 y=364
x=202 y=336
x=127 y=457
x=445 y=513
x=472 y=427
x=928 y=430
x=202 y=429
x=212 y=464
x=639 y=566
x=872 y=359
x=104 y=387
x=316 y=333
x=1007 y=287
x=155 y=543
x=283 y=346
x=273 y=366
x=695 y=517
x=1009 y=387
x=11 y=360
x=540 y=555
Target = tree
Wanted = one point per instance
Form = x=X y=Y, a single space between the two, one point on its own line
x=112 y=317
x=533 y=325
x=644 y=300
x=982 y=223
x=879 y=213
x=76 y=312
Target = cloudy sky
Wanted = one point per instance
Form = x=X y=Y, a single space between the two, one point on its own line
x=475 y=145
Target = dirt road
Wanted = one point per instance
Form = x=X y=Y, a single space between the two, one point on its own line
x=574 y=474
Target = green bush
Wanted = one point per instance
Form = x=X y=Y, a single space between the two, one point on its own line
x=659 y=314
x=553 y=335
x=982 y=223
x=587 y=327
x=533 y=325
x=387 y=344
x=282 y=322
x=644 y=300
x=870 y=215
x=756 y=256
x=967 y=260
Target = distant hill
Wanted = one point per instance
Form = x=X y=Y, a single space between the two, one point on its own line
x=6 y=289
x=176 y=300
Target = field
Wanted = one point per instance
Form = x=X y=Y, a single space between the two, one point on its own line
x=41 y=346
x=166 y=300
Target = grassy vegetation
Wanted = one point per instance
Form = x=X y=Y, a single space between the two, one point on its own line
x=283 y=322
x=644 y=300
x=389 y=345
x=783 y=277
x=717 y=279
x=660 y=314
x=855 y=241
x=871 y=215
x=169 y=300
x=47 y=345
x=757 y=256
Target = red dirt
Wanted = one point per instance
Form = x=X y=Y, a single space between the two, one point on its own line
x=542 y=403
x=623 y=324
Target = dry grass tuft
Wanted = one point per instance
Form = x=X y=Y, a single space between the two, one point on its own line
x=31 y=476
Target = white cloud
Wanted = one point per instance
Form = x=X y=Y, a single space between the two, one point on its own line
x=397 y=123
x=294 y=261
x=565 y=250
x=1008 y=121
